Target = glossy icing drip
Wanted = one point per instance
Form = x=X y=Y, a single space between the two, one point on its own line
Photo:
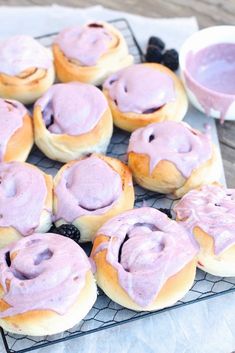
x=11 y=119
x=72 y=108
x=153 y=248
x=175 y=142
x=212 y=208
x=88 y=187
x=85 y=44
x=23 y=194
x=19 y=53
x=42 y=272
x=140 y=89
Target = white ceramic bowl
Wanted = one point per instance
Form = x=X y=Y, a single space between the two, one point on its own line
x=199 y=40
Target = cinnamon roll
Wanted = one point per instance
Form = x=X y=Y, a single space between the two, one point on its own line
x=143 y=94
x=72 y=120
x=144 y=261
x=171 y=157
x=25 y=201
x=16 y=131
x=90 y=191
x=209 y=214
x=26 y=69
x=90 y=53
x=46 y=285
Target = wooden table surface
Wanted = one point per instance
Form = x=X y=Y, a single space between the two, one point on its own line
x=208 y=13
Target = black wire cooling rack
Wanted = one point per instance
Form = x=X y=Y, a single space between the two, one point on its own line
x=105 y=313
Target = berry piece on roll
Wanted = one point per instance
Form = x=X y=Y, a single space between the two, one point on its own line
x=171 y=59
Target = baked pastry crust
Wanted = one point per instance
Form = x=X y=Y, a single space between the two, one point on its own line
x=174 y=110
x=21 y=142
x=217 y=265
x=10 y=234
x=28 y=86
x=203 y=212
x=115 y=58
x=174 y=289
x=140 y=260
x=167 y=179
x=63 y=147
x=89 y=224
x=48 y=322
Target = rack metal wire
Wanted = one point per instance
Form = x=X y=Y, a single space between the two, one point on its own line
x=105 y=313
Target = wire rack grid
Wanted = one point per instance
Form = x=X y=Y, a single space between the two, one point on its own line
x=105 y=313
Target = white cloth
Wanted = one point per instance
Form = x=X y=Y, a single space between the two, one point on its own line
x=207 y=326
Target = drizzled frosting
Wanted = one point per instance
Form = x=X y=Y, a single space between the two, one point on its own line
x=23 y=193
x=11 y=119
x=72 y=108
x=140 y=89
x=89 y=186
x=146 y=248
x=85 y=44
x=20 y=53
x=174 y=142
x=212 y=208
x=43 y=272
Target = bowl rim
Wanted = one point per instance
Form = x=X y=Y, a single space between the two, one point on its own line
x=183 y=53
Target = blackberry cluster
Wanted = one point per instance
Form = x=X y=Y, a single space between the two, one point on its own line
x=155 y=54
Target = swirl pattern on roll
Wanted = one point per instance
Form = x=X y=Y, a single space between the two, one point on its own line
x=172 y=141
x=43 y=272
x=212 y=208
x=11 y=119
x=88 y=187
x=86 y=44
x=146 y=248
x=140 y=89
x=21 y=52
x=72 y=108
x=23 y=192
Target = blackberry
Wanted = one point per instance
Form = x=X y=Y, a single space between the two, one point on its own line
x=153 y=55
x=67 y=230
x=156 y=42
x=95 y=25
x=167 y=211
x=171 y=59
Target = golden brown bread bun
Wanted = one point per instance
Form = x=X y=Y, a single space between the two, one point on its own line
x=171 y=157
x=132 y=265
x=215 y=264
x=138 y=95
x=67 y=294
x=66 y=146
x=26 y=70
x=114 y=58
x=16 y=131
x=208 y=213
x=28 y=86
x=31 y=194
x=103 y=184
